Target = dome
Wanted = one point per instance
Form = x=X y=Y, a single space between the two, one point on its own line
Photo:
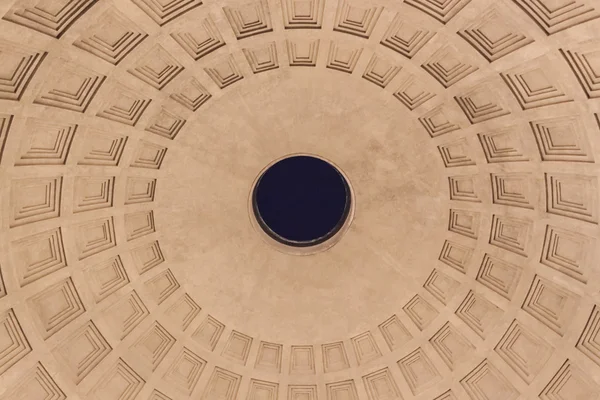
x=465 y=263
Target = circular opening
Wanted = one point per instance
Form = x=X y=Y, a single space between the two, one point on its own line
x=301 y=201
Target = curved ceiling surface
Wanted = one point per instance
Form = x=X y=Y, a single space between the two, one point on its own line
x=131 y=133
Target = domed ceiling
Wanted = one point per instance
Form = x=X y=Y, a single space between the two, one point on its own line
x=132 y=132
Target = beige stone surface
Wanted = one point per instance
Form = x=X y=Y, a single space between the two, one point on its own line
x=132 y=131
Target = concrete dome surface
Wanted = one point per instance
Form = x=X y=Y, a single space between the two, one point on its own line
x=132 y=133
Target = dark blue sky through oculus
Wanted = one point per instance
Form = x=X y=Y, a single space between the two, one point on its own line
x=301 y=198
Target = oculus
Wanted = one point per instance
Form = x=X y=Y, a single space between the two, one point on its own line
x=301 y=201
